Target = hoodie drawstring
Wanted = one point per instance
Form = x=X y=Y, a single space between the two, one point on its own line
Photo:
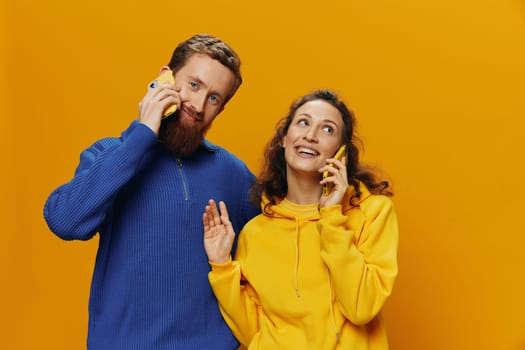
x=301 y=213
x=296 y=281
x=296 y=267
x=332 y=314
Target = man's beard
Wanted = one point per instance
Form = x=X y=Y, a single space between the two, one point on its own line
x=180 y=137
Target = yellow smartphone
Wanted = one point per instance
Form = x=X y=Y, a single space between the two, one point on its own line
x=341 y=152
x=165 y=77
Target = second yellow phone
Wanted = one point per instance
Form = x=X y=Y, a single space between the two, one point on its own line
x=341 y=152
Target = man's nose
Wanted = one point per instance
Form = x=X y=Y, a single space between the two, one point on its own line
x=198 y=102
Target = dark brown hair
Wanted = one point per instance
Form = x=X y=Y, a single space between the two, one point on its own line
x=272 y=179
x=215 y=48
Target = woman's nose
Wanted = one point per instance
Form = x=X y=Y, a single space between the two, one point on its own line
x=310 y=134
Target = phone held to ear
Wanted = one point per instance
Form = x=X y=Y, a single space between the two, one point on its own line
x=327 y=187
x=165 y=77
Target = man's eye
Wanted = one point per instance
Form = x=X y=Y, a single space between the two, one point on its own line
x=193 y=85
x=214 y=99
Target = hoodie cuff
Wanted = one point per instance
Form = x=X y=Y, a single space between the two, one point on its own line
x=228 y=265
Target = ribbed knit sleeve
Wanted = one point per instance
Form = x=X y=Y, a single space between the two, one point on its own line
x=361 y=255
x=76 y=209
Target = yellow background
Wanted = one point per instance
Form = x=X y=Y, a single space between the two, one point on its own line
x=438 y=90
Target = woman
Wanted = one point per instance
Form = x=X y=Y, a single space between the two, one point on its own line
x=312 y=271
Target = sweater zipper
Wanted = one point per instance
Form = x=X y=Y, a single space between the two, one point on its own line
x=183 y=180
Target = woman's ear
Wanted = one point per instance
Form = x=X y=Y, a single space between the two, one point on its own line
x=283 y=141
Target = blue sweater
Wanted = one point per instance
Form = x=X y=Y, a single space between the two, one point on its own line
x=150 y=288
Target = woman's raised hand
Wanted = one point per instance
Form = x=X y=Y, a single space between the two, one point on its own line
x=218 y=232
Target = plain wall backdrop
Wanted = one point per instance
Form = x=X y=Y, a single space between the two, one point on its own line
x=437 y=88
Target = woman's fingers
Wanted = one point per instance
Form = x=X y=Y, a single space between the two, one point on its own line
x=224 y=212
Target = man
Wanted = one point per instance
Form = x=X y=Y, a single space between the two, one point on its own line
x=144 y=194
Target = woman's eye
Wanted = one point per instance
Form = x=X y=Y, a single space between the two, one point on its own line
x=302 y=122
x=193 y=85
x=329 y=129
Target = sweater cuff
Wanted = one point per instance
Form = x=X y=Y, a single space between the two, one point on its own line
x=139 y=131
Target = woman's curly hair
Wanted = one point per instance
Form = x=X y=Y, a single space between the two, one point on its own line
x=272 y=179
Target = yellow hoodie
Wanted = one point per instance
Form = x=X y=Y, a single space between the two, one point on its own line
x=304 y=278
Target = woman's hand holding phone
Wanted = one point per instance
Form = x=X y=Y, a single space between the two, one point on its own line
x=334 y=179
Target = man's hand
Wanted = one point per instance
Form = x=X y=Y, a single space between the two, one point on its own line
x=218 y=233
x=154 y=103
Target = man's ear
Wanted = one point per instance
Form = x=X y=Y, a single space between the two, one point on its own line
x=163 y=69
